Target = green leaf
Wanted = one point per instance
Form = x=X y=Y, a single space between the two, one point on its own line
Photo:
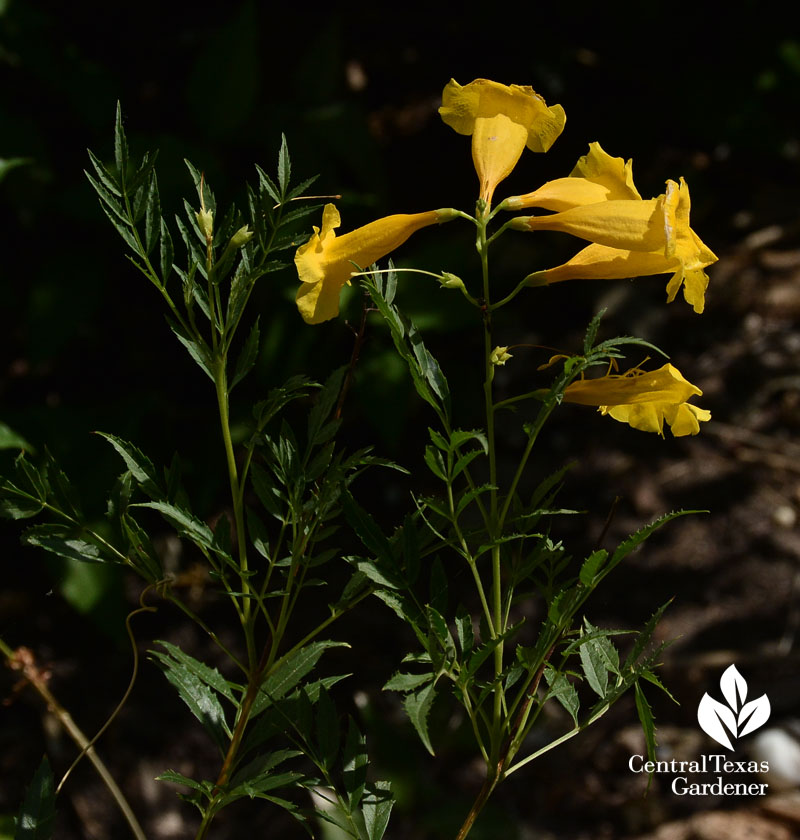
x=284 y=166
x=248 y=356
x=636 y=539
x=591 y=332
x=594 y=668
x=465 y=631
x=204 y=788
x=647 y=720
x=61 y=540
x=591 y=566
x=139 y=465
x=367 y=530
x=120 y=145
x=268 y=185
x=435 y=462
x=324 y=405
x=377 y=808
x=152 y=221
x=418 y=706
x=354 y=764
x=36 y=819
x=328 y=732
x=563 y=690
x=200 y=699
x=185 y=523
x=407 y=682
x=289 y=672
x=210 y=676
x=9 y=439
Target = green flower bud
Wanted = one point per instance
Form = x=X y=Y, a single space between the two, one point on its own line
x=205 y=218
x=241 y=237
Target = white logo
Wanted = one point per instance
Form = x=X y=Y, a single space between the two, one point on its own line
x=740 y=718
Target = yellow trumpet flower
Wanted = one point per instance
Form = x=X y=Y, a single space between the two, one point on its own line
x=325 y=263
x=503 y=120
x=643 y=399
x=596 y=177
x=632 y=239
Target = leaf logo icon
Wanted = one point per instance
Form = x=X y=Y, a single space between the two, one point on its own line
x=738 y=717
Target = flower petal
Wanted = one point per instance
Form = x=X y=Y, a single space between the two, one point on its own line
x=325 y=263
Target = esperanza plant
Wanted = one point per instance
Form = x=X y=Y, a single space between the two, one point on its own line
x=276 y=729
x=497 y=529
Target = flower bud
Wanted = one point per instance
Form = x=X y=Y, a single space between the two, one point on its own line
x=205 y=219
x=241 y=237
x=500 y=356
x=450 y=281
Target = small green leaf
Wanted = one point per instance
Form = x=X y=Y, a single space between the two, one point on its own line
x=9 y=439
x=563 y=690
x=36 y=819
x=284 y=166
x=407 y=682
x=354 y=764
x=647 y=720
x=210 y=676
x=139 y=465
x=290 y=671
x=62 y=540
x=418 y=707
x=185 y=523
x=248 y=356
x=377 y=808
x=328 y=733
x=591 y=566
x=120 y=145
x=200 y=699
x=594 y=667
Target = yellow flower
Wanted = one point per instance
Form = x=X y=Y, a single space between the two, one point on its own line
x=632 y=239
x=596 y=177
x=502 y=120
x=643 y=399
x=325 y=263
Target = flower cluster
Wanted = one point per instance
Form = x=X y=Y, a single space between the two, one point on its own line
x=629 y=236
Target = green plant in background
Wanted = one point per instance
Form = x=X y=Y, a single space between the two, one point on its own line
x=275 y=726
x=273 y=721
x=496 y=524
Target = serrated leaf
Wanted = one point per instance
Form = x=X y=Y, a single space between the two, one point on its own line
x=268 y=185
x=354 y=764
x=376 y=809
x=418 y=707
x=289 y=673
x=120 y=145
x=185 y=523
x=138 y=464
x=152 y=218
x=327 y=726
x=210 y=676
x=284 y=166
x=198 y=697
x=106 y=177
x=563 y=690
x=61 y=540
x=367 y=530
x=594 y=668
x=591 y=566
x=36 y=819
x=435 y=462
x=248 y=356
x=407 y=682
x=647 y=720
x=197 y=348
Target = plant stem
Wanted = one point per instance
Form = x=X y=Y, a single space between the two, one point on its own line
x=22 y=660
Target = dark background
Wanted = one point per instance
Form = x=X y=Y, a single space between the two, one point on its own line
x=680 y=88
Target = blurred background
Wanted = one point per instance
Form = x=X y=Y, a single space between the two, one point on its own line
x=682 y=89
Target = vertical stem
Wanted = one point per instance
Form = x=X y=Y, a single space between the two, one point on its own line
x=497 y=595
x=221 y=382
